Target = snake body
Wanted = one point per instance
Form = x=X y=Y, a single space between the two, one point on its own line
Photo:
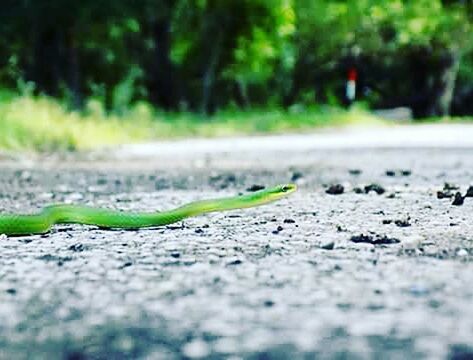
x=42 y=222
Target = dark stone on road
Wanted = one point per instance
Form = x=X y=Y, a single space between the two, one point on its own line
x=469 y=192
x=335 y=189
x=458 y=200
x=375 y=240
x=354 y=172
x=255 y=187
x=328 y=245
x=378 y=189
x=296 y=175
x=77 y=247
x=235 y=262
x=444 y=195
x=398 y=172
x=448 y=187
x=403 y=222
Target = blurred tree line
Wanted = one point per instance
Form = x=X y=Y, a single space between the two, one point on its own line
x=201 y=55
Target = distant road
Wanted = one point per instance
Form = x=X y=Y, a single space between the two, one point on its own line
x=399 y=136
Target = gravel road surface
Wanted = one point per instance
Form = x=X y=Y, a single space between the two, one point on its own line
x=368 y=260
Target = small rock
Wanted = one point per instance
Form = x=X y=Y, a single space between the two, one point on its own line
x=335 y=189
x=459 y=199
x=11 y=291
x=296 y=175
x=406 y=172
x=255 y=187
x=3 y=237
x=358 y=190
x=449 y=187
x=289 y=221
x=127 y=264
x=235 y=262
x=329 y=245
x=377 y=240
x=403 y=223
x=354 y=172
x=469 y=192
x=362 y=239
x=387 y=221
x=385 y=240
x=77 y=247
x=444 y=195
x=390 y=173
x=378 y=189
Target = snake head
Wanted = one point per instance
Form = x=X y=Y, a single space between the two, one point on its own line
x=278 y=192
x=288 y=188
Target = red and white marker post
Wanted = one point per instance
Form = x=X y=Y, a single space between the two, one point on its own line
x=350 y=92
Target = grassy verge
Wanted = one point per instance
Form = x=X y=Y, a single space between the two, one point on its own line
x=44 y=124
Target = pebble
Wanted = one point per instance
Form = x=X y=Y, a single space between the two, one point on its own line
x=444 y=195
x=399 y=172
x=3 y=237
x=403 y=223
x=458 y=200
x=335 y=189
x=328 y=245
x=447 y=186
x=378 y=189
x=469 y=192
x=255 y=187
x=296 y=175
x=375 y=240
x=354 y=172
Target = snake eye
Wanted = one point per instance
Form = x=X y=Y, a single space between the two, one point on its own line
x=287 y=188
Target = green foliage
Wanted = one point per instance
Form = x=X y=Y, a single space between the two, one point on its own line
x=205 y=55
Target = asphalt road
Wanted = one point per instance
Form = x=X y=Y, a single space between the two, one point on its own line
x=363 y=274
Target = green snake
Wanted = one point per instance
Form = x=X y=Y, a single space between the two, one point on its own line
x=42 y=222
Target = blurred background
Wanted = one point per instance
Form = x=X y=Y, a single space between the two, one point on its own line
x=82 y=74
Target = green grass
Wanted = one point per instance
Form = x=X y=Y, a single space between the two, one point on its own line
x=44 y=124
